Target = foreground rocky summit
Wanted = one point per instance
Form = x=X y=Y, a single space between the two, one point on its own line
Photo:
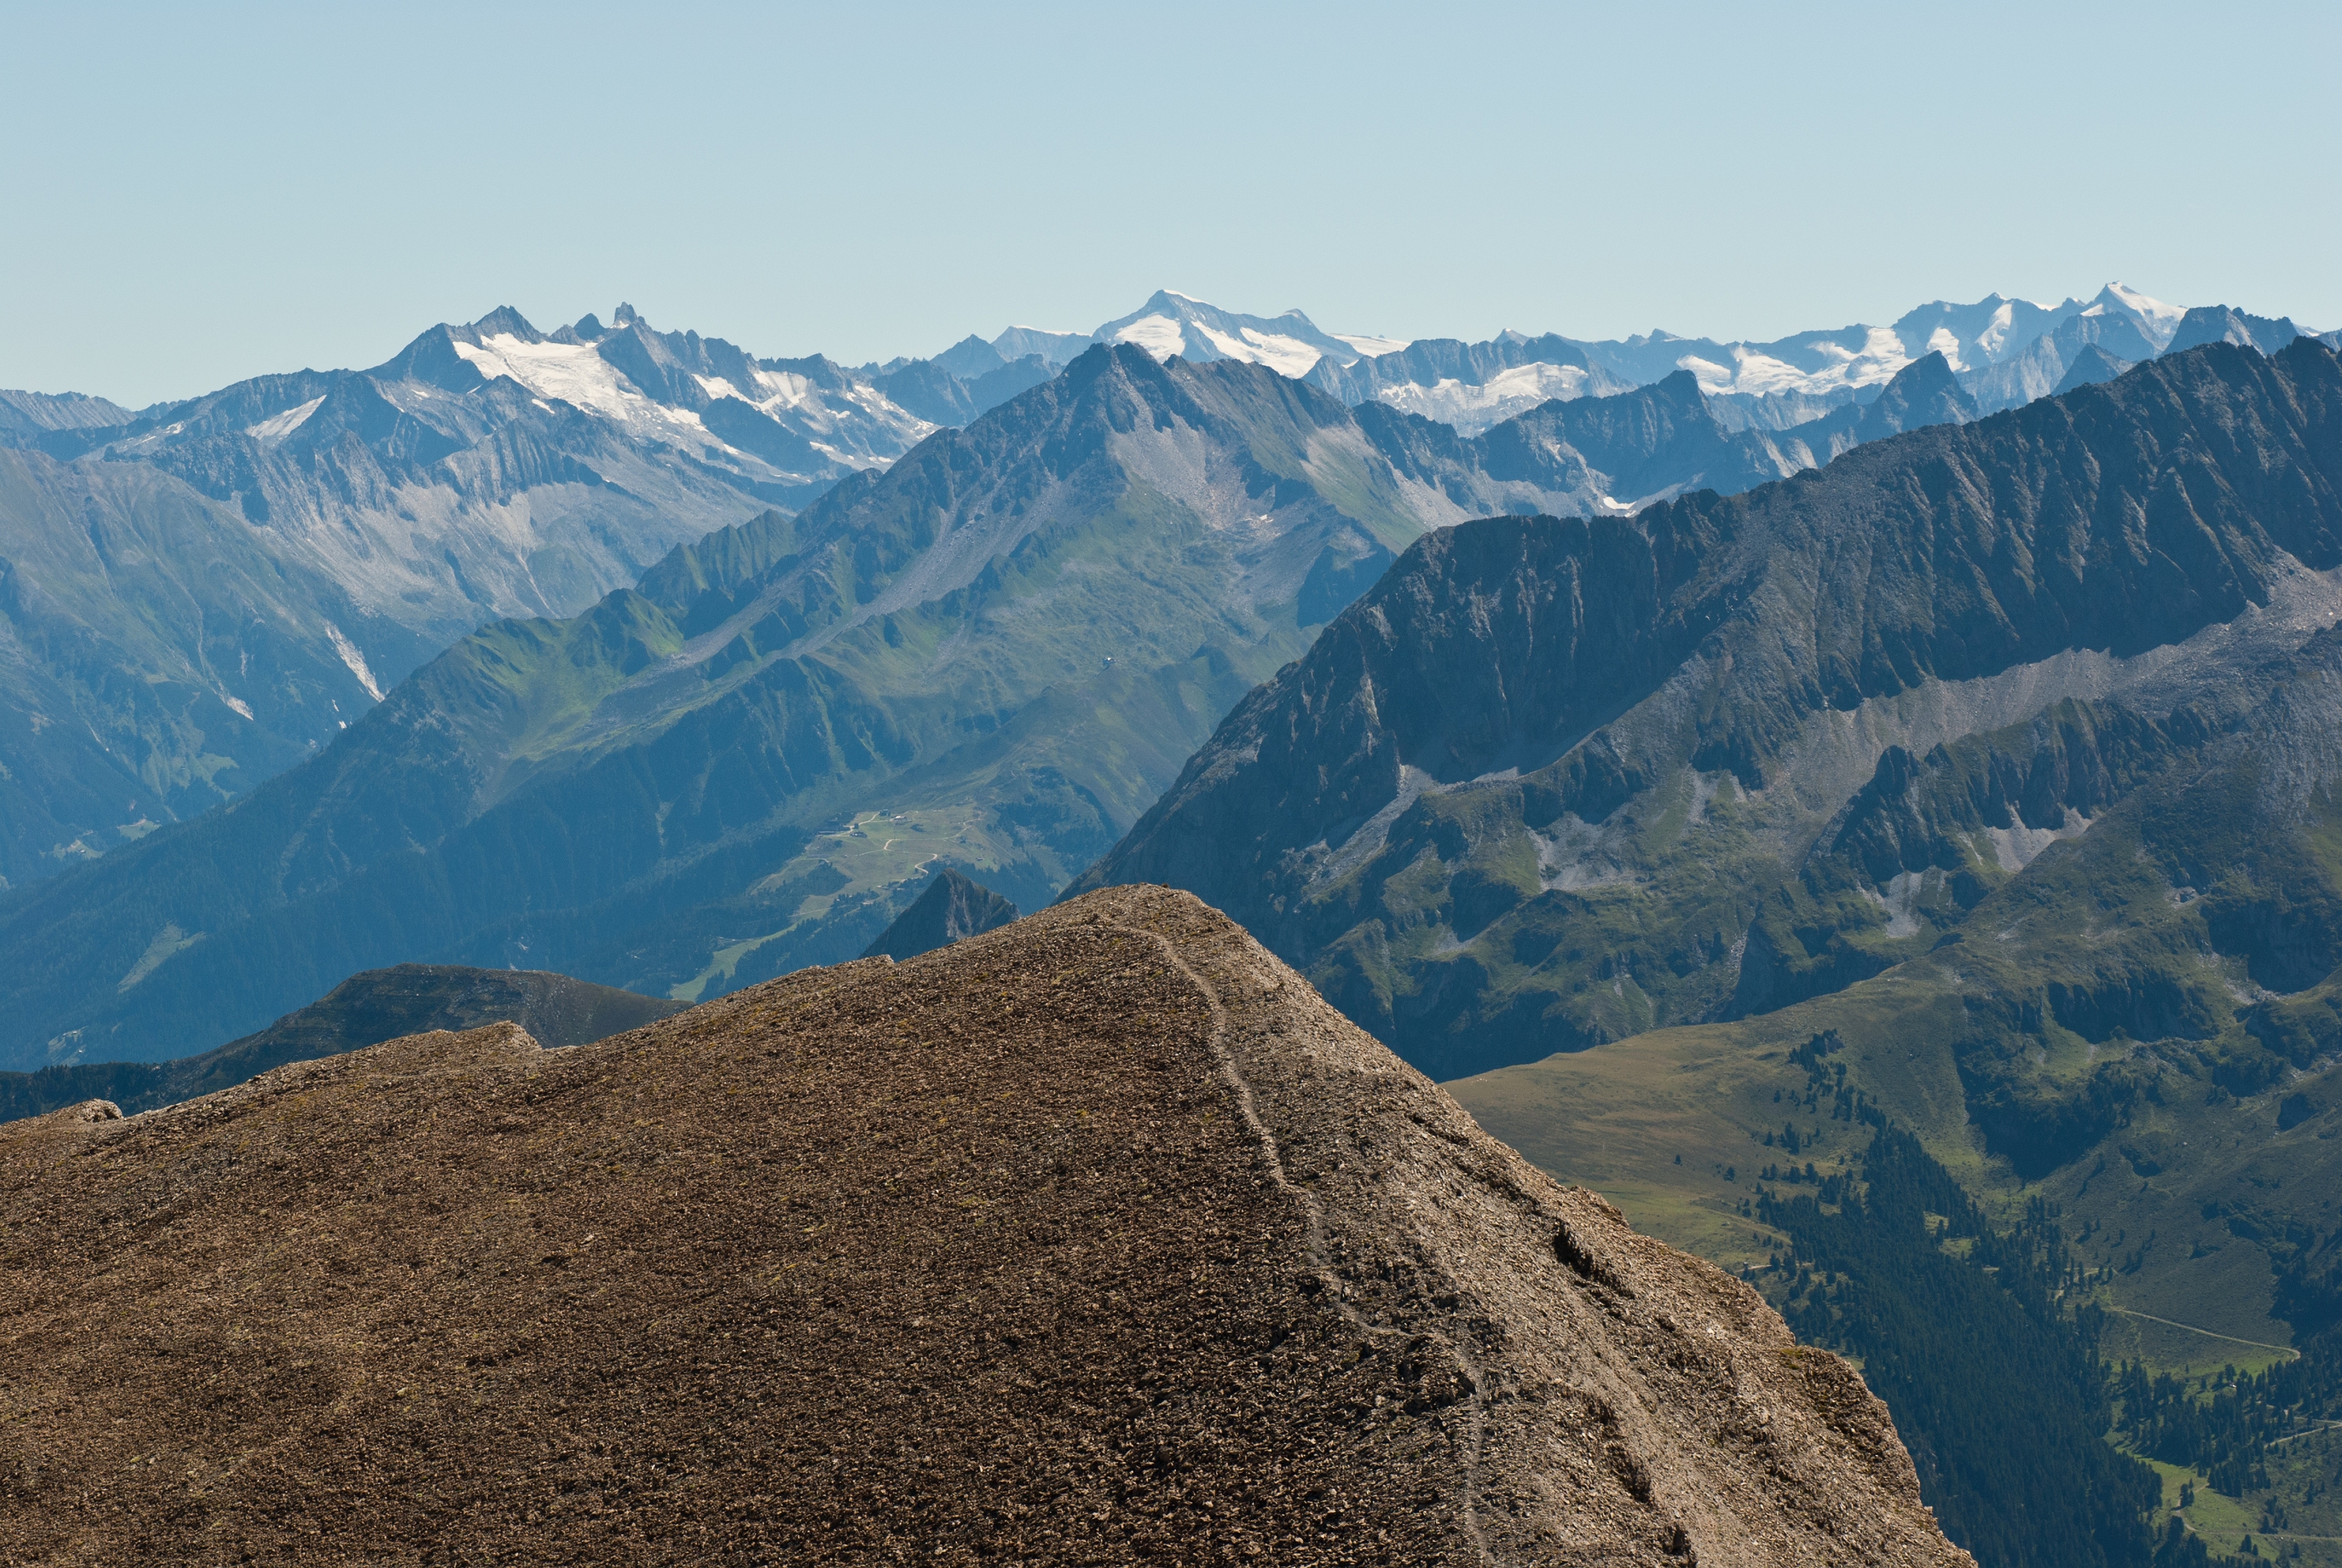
x=1098 y=1237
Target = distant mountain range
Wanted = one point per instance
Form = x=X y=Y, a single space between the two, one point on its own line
x=2004 y=352
x=199 y=594
x=992 y=655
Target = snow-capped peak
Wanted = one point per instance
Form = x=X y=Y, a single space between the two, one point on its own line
x=2156 y=320
x=1171 y=323
x=2144 y=304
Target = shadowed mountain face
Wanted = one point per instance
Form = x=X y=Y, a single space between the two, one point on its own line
x=364 y=1010
x=1099 y=1237
x=952 y=909
x=993 y=657
x=1554 y=782
x=163 y=655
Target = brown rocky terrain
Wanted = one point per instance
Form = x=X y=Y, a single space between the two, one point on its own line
x=1098 y=1238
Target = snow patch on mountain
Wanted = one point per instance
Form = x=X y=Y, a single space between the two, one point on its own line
x=1158 y=334
x=574 y=372
x=783 y=389
x=2164 y=318
x=1373 y=348
x=276 y=427
x=1286 y=355
x=353 y=658
x=1994 y=336
x=1755 y=371
x=1472 y=409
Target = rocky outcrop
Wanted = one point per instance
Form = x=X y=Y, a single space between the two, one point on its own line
x=1097 y=1237
x=952 y=909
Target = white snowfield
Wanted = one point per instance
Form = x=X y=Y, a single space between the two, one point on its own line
x=1880 y=356
x=278 y=426
x=1995 y=336
x=1159 y=335
x=575 y=374
x=1163 y=337
x=1286 y=355
x=1473 y=409
x=1946 y=341
x=871 y=431
x=2164 y=318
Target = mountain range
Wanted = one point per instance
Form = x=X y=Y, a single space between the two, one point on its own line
x=1555 y=782
x=202 y=595
x=993 y=656
x=198 y=595
x=2004 y=352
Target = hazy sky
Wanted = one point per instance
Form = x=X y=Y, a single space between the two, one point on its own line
x=190 y=195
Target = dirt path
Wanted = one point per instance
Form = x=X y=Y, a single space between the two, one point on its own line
x=2207 y=1332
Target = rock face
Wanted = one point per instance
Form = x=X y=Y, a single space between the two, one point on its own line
x=364 y=1010
x=951 y=910
x=1097 y=1237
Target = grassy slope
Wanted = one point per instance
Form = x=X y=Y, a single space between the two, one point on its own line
x=2182 y=1193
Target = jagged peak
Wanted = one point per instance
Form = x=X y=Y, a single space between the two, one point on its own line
x=505 y=321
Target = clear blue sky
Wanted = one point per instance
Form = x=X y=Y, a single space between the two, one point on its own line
x=193 y=195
